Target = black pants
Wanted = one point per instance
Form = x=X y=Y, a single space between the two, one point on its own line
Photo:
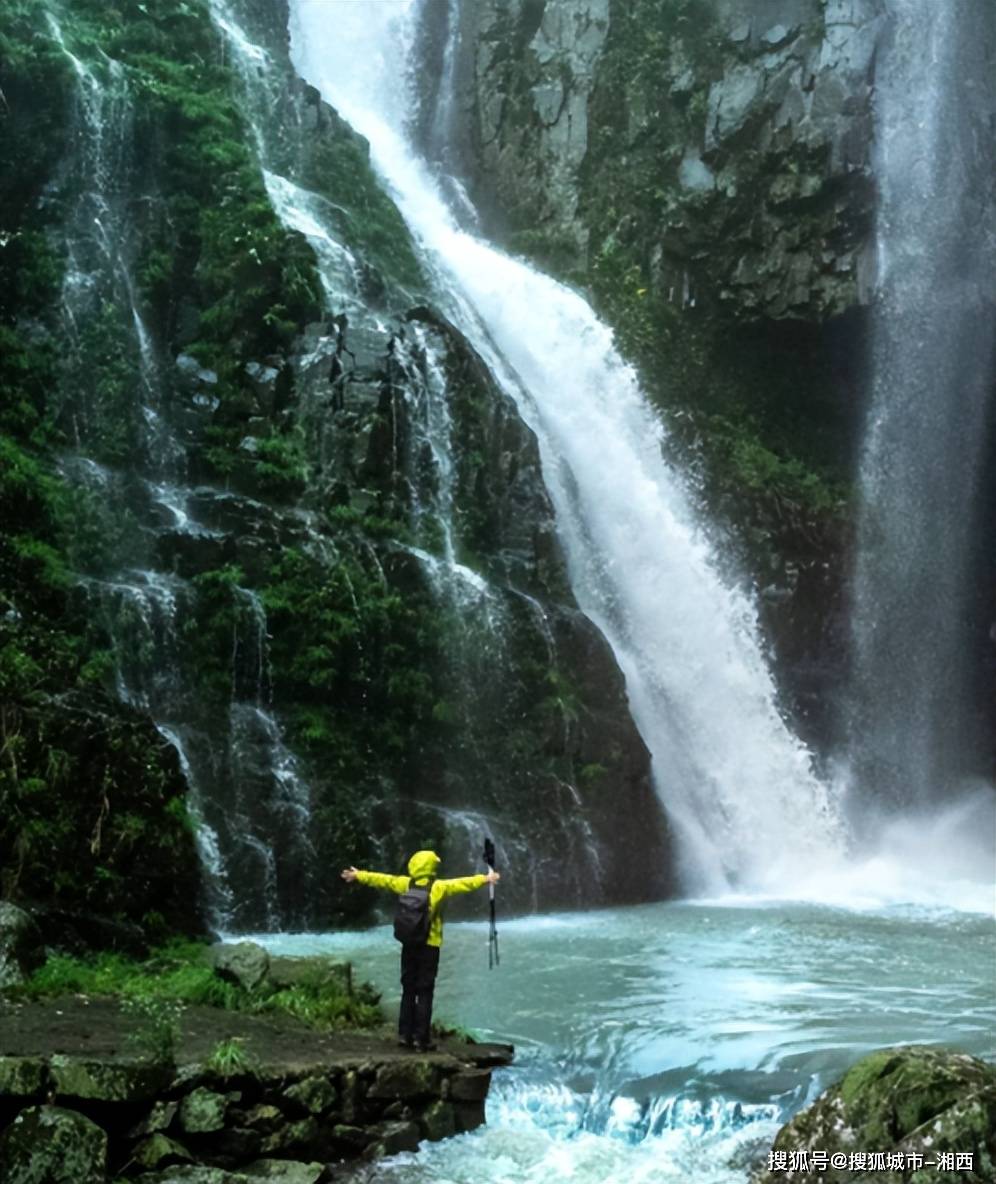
x=419 y=965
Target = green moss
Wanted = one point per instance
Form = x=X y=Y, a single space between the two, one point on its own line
x=179 y=973
x=212 y=631
x=337 y=166
x=281 y=469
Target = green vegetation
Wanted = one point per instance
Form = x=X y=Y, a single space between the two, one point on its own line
x=337 y=166
x=178 y=974
x=443 y=1030
x=158 y=1032
x=229 y=1057
x=353 y=652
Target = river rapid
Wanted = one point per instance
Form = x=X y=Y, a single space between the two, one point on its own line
x=668 y=1042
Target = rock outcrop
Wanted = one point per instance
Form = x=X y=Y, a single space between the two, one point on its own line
x=305 y=538
x=704 y=169
x=731 y=141
x=926 y=1115
x=54 y=1145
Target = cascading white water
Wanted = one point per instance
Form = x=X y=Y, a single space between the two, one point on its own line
x=739 y=787
x=256 y=852
x=926 y=435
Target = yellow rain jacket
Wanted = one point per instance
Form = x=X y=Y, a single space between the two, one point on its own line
x=421 y=867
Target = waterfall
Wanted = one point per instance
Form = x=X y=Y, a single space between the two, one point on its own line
x=926 y=436
x=246 y=794
x=738 y=786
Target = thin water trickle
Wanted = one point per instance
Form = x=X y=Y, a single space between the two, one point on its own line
x=152 y=616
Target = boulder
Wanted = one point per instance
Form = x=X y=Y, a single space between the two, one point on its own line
x=158 y=1150
x=313 y=1094
x=312 y=972
x=405 y=1079
x=471 y=1086
x=263 y=1118
x=236 y=1144
x=354 y=1138
x=244 y=963
x=391 y=1138
x=926 y=1103
x=193 y=1174
x=284 y=1171
x=21 y=1077
x=296 y=1136
x=203 y=1111
x=158 y=1119
x=107 y=1081
x=192 y=374
x=49 y=1145
x=438 y=1121
x=263 y=380
x=469 y=1115
x=20 y=945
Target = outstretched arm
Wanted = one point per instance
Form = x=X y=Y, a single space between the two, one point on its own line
x=396 y=884
x=466 y=884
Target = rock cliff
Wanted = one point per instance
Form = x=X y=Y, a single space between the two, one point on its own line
x=703 y=169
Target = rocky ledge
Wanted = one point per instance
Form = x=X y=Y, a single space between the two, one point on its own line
x=910 y=1115
x=291 y=1104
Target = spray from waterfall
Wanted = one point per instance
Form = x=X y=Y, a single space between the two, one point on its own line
x=739 y=787
x=912 y=730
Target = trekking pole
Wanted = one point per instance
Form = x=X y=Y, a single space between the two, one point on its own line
x=489 y=859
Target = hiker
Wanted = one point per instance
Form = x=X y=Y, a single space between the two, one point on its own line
x=419 y=927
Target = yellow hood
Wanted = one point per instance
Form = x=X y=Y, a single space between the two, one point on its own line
x=423 y=864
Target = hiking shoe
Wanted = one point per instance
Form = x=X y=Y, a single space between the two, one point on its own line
x=426 y=1046
x=406 y=1042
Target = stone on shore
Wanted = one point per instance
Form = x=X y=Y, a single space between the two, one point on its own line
x=920 y=1101
x=244 y=963
x=49 y=1145
x=20 y=945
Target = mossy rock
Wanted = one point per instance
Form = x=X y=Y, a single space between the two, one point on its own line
x=20 y=945
x=313 y=1094
x=106 y=1081
x=49 y=1145
x=203 y=1111
x=405 y=1079
x=921 y=1101
x=284 y=1171
x=21 y=1077
x=438 y=1121
x=158 y=1150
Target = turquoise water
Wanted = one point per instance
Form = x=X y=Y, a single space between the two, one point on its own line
x=668 y=1042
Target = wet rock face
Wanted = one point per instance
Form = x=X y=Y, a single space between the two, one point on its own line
x=729 y=140
x=320 y=565
x=124 y=815
x=524 y=80
x=935 y=1107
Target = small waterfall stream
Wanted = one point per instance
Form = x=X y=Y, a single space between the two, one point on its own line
x=738 y=786
x=246 y=793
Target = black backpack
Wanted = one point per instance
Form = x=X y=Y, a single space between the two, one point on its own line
x=411 y=914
